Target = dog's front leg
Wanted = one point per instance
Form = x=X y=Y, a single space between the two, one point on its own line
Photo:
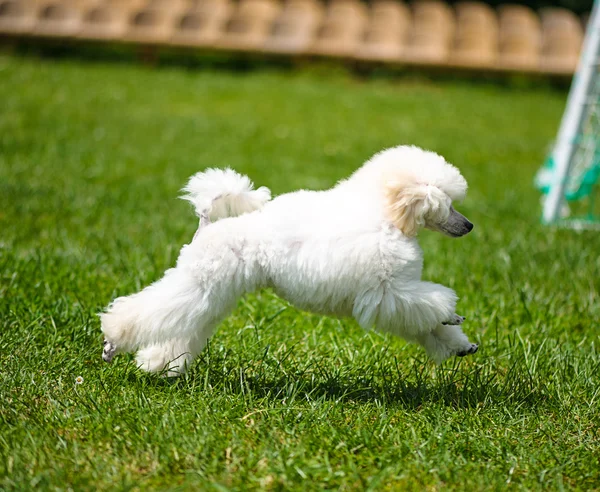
x=455 y=319
x=444 y=341
x=407 y=308
x=419 y=311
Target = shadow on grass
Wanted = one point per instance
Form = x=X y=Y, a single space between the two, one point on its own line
x=456 y=384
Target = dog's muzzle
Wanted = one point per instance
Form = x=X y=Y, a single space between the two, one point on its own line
x=457 y=225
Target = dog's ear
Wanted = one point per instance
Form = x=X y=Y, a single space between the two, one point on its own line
x=410 y=205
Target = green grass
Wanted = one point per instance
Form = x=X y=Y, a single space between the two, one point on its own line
x=91 y=160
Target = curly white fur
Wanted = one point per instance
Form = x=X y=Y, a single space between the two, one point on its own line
x=350 y=250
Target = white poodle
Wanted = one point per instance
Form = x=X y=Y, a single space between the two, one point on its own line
x=347 y=251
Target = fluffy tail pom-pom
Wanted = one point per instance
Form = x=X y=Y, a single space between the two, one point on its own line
x=221 y=193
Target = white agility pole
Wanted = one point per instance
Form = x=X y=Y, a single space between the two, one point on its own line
x=582 y=88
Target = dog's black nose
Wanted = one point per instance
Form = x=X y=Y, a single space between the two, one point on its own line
x=469 y=226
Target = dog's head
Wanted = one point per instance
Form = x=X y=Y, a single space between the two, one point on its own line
x=419 y=190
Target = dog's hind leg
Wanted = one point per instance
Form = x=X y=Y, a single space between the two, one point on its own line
x=188 y=302
x=175 y=307
x=172 y=358
x=108 y=351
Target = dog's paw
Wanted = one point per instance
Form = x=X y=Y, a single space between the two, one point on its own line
x=108 y=351
x=471 y=350
x=455 y=320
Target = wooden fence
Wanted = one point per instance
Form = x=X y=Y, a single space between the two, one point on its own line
x=469 y=35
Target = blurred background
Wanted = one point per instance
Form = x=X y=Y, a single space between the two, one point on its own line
x=534 y=36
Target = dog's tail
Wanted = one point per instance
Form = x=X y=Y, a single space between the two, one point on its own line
x=220 y=193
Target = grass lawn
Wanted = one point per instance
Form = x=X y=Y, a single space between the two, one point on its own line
x=92 y=157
